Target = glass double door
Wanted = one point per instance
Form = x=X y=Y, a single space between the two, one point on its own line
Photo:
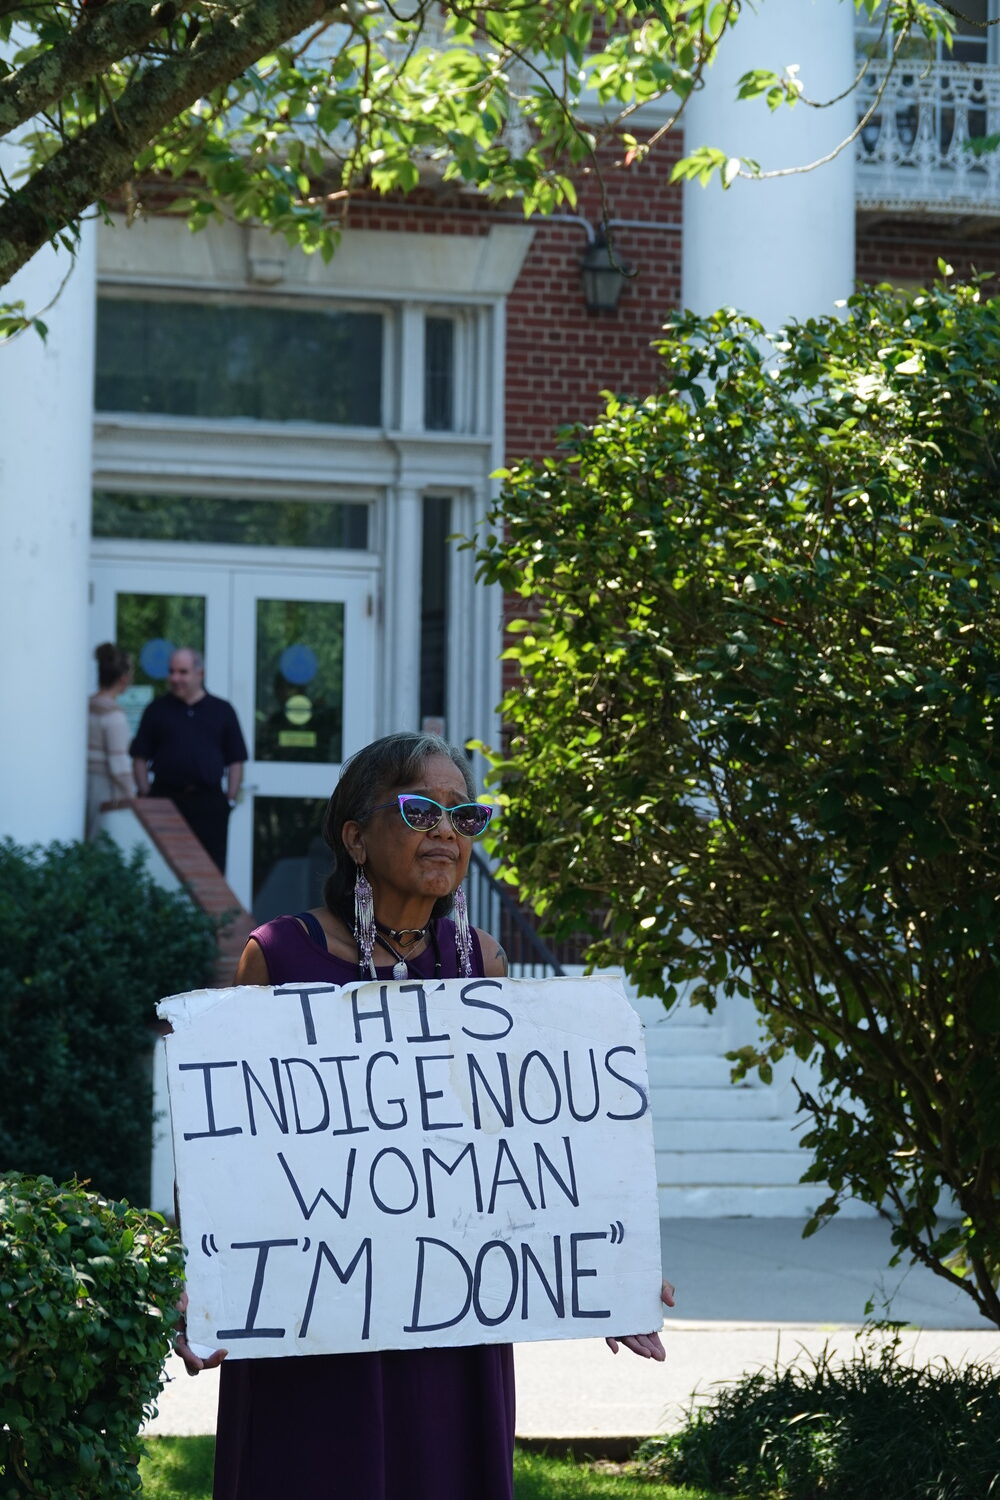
x=294 y=652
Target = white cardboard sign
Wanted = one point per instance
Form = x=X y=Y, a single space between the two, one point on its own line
x=389 y=1166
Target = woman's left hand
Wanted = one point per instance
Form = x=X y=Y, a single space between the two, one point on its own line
x=646 y=1345
x=194 y=1363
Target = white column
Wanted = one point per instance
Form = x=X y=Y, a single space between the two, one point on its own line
x=475 y=609
x=411 y=360
x=783 y=247
x=474 y=638
x=46 y=421
x=400 y=697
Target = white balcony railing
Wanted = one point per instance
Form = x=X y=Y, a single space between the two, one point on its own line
x=917 y=150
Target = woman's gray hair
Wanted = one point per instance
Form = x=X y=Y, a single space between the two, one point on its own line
x=364 y=781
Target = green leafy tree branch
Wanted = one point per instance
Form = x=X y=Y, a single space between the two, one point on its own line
x=279 y=111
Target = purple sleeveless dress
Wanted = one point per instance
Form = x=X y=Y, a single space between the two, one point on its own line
x=410 y=1424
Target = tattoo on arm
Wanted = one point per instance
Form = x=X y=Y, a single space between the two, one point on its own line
x=501 y=957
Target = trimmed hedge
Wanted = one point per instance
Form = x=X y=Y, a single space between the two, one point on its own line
x=87 y=1293
x=873 y=1428
x=88 y=944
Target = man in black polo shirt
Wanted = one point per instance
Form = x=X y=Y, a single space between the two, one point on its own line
x=190 y=740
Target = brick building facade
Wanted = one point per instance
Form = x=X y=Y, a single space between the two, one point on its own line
x=276 y=451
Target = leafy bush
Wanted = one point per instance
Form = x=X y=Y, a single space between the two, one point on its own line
x=87 y=1289
x=88 y=944
x=872 y=1428
x=755 y=746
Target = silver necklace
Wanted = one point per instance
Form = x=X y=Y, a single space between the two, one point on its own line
x=400 y=969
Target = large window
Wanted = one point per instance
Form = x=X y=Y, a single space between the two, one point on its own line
x=217 y=518
x=434 y=608
x=237 y=359
x=300 y=680
x=974 y=39
x=439 y=374
x=973 y=42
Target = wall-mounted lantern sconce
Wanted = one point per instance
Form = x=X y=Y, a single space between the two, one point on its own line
x=603 y=277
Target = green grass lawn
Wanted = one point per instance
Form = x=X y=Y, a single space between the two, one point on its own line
x=176 y=1466
x=542 y=1478
x=181 y=1469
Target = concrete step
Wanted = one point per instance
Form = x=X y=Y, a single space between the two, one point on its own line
x=714 y=1136
x=795 y=1201
x=655 y=1018
x=678 y=1040
x=731 y=1168
x=689 y=1071
x=735 y=1101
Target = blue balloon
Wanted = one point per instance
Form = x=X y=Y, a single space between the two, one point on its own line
x=298 y=664
x=154 y=657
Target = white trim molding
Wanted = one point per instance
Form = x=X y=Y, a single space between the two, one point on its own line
x=387 y=264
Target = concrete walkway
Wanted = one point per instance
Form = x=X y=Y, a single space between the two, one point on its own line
x=749 y=1292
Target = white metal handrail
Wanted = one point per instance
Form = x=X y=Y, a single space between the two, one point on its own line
x=915 y=151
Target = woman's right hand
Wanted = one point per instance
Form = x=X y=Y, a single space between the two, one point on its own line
x=193 y=1363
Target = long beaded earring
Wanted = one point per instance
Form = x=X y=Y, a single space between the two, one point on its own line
x=364 y=922
x=463 y=937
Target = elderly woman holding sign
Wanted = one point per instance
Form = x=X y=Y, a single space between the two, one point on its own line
x=415 y=1424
